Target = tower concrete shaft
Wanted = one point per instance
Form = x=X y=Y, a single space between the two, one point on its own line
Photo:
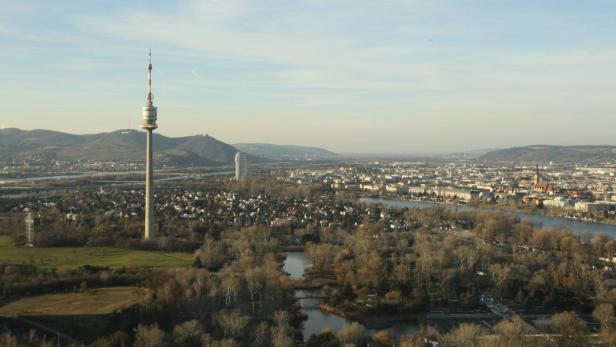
x=149 y=186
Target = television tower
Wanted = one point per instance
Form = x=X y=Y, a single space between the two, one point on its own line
x=149 y=124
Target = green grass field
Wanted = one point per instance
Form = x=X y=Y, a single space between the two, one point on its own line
x=96 y=301
x=5 y=241
x=73 y=257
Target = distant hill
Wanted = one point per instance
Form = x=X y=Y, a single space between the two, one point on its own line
x=120 y=146
x=545 y=153
x=284 y=152
x=470 y=154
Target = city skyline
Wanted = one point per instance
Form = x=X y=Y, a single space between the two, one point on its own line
x=397 y=77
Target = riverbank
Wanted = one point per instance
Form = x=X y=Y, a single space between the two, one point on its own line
x=318 y=283
x=531 y=211
x=292 y=248
x=547 y=221
x=539 y=212
x=373 y=320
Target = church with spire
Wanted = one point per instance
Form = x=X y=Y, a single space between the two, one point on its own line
x=541 y=186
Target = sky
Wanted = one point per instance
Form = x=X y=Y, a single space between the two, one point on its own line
x=353 y=76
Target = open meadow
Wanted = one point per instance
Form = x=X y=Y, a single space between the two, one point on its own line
x=92 y=302
x=76 y=316
x=73 y=257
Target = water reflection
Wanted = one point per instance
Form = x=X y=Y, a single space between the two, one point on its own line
x=295 y=264
x=318 y=320
x=580 y=227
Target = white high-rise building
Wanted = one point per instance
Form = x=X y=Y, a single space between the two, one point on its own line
x=149 y=115
x=241 y=170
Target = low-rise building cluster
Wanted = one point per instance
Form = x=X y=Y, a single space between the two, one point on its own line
x=582 y=190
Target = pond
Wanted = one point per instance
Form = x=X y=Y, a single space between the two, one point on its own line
x=318 y=320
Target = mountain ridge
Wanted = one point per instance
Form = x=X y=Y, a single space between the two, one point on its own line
x=124 y=145
x=555 y=153
x=128 y=145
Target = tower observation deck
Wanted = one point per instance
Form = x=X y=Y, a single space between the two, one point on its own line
x=149 y=111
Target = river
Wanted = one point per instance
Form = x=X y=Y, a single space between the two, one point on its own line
x=318 y=320
x=579 y=227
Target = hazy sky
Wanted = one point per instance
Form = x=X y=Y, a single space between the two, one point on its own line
x=351 y=76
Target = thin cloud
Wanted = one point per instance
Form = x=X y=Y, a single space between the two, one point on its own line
x=403 y=73
x=195 y=73
x=76 y=65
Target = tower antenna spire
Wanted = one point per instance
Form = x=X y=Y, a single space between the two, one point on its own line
x=150 y=97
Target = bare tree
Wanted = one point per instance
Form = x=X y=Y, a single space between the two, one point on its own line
x=569 y=326
x=8 y=340
x=351 y=333
x=511 y=332
x=604 y=313
x=149 y=336
x=382 y=337
x=254 y=283
x=230 y=285
x=260 y=335
x=465 y=335
x=187 y=334
x=411 y=341
x=282 y=333
x=232 y=322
